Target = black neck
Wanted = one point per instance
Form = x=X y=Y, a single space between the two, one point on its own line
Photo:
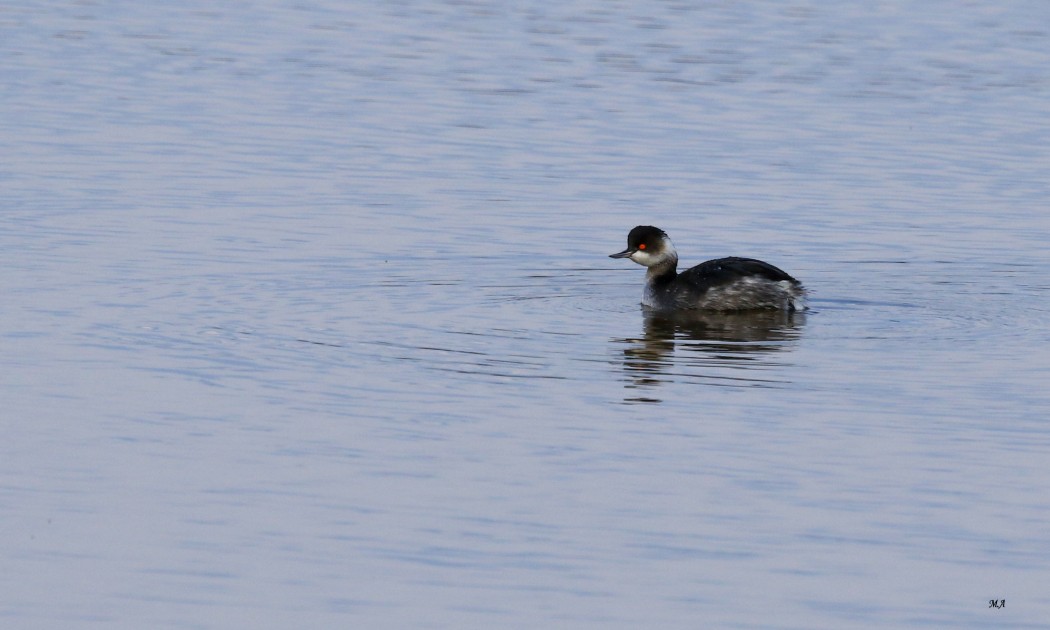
x=666 y=272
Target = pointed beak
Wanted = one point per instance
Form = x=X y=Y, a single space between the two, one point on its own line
x=624 y=254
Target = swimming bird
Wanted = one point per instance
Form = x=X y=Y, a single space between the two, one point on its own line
x=723 y=284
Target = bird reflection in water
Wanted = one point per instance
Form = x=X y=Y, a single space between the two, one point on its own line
x=729 y=349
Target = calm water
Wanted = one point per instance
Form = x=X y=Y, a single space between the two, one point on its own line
x=308 y=320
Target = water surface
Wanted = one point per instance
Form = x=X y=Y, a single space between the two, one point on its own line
x=308 y=319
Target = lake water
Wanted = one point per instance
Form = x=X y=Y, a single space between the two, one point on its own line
x=307 y=319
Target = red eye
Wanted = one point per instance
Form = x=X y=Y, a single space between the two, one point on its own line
x=641 y=246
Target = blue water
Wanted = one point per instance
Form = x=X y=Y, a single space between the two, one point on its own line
x=307 y=318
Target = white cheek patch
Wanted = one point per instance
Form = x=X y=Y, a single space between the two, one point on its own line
x=641 y=257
